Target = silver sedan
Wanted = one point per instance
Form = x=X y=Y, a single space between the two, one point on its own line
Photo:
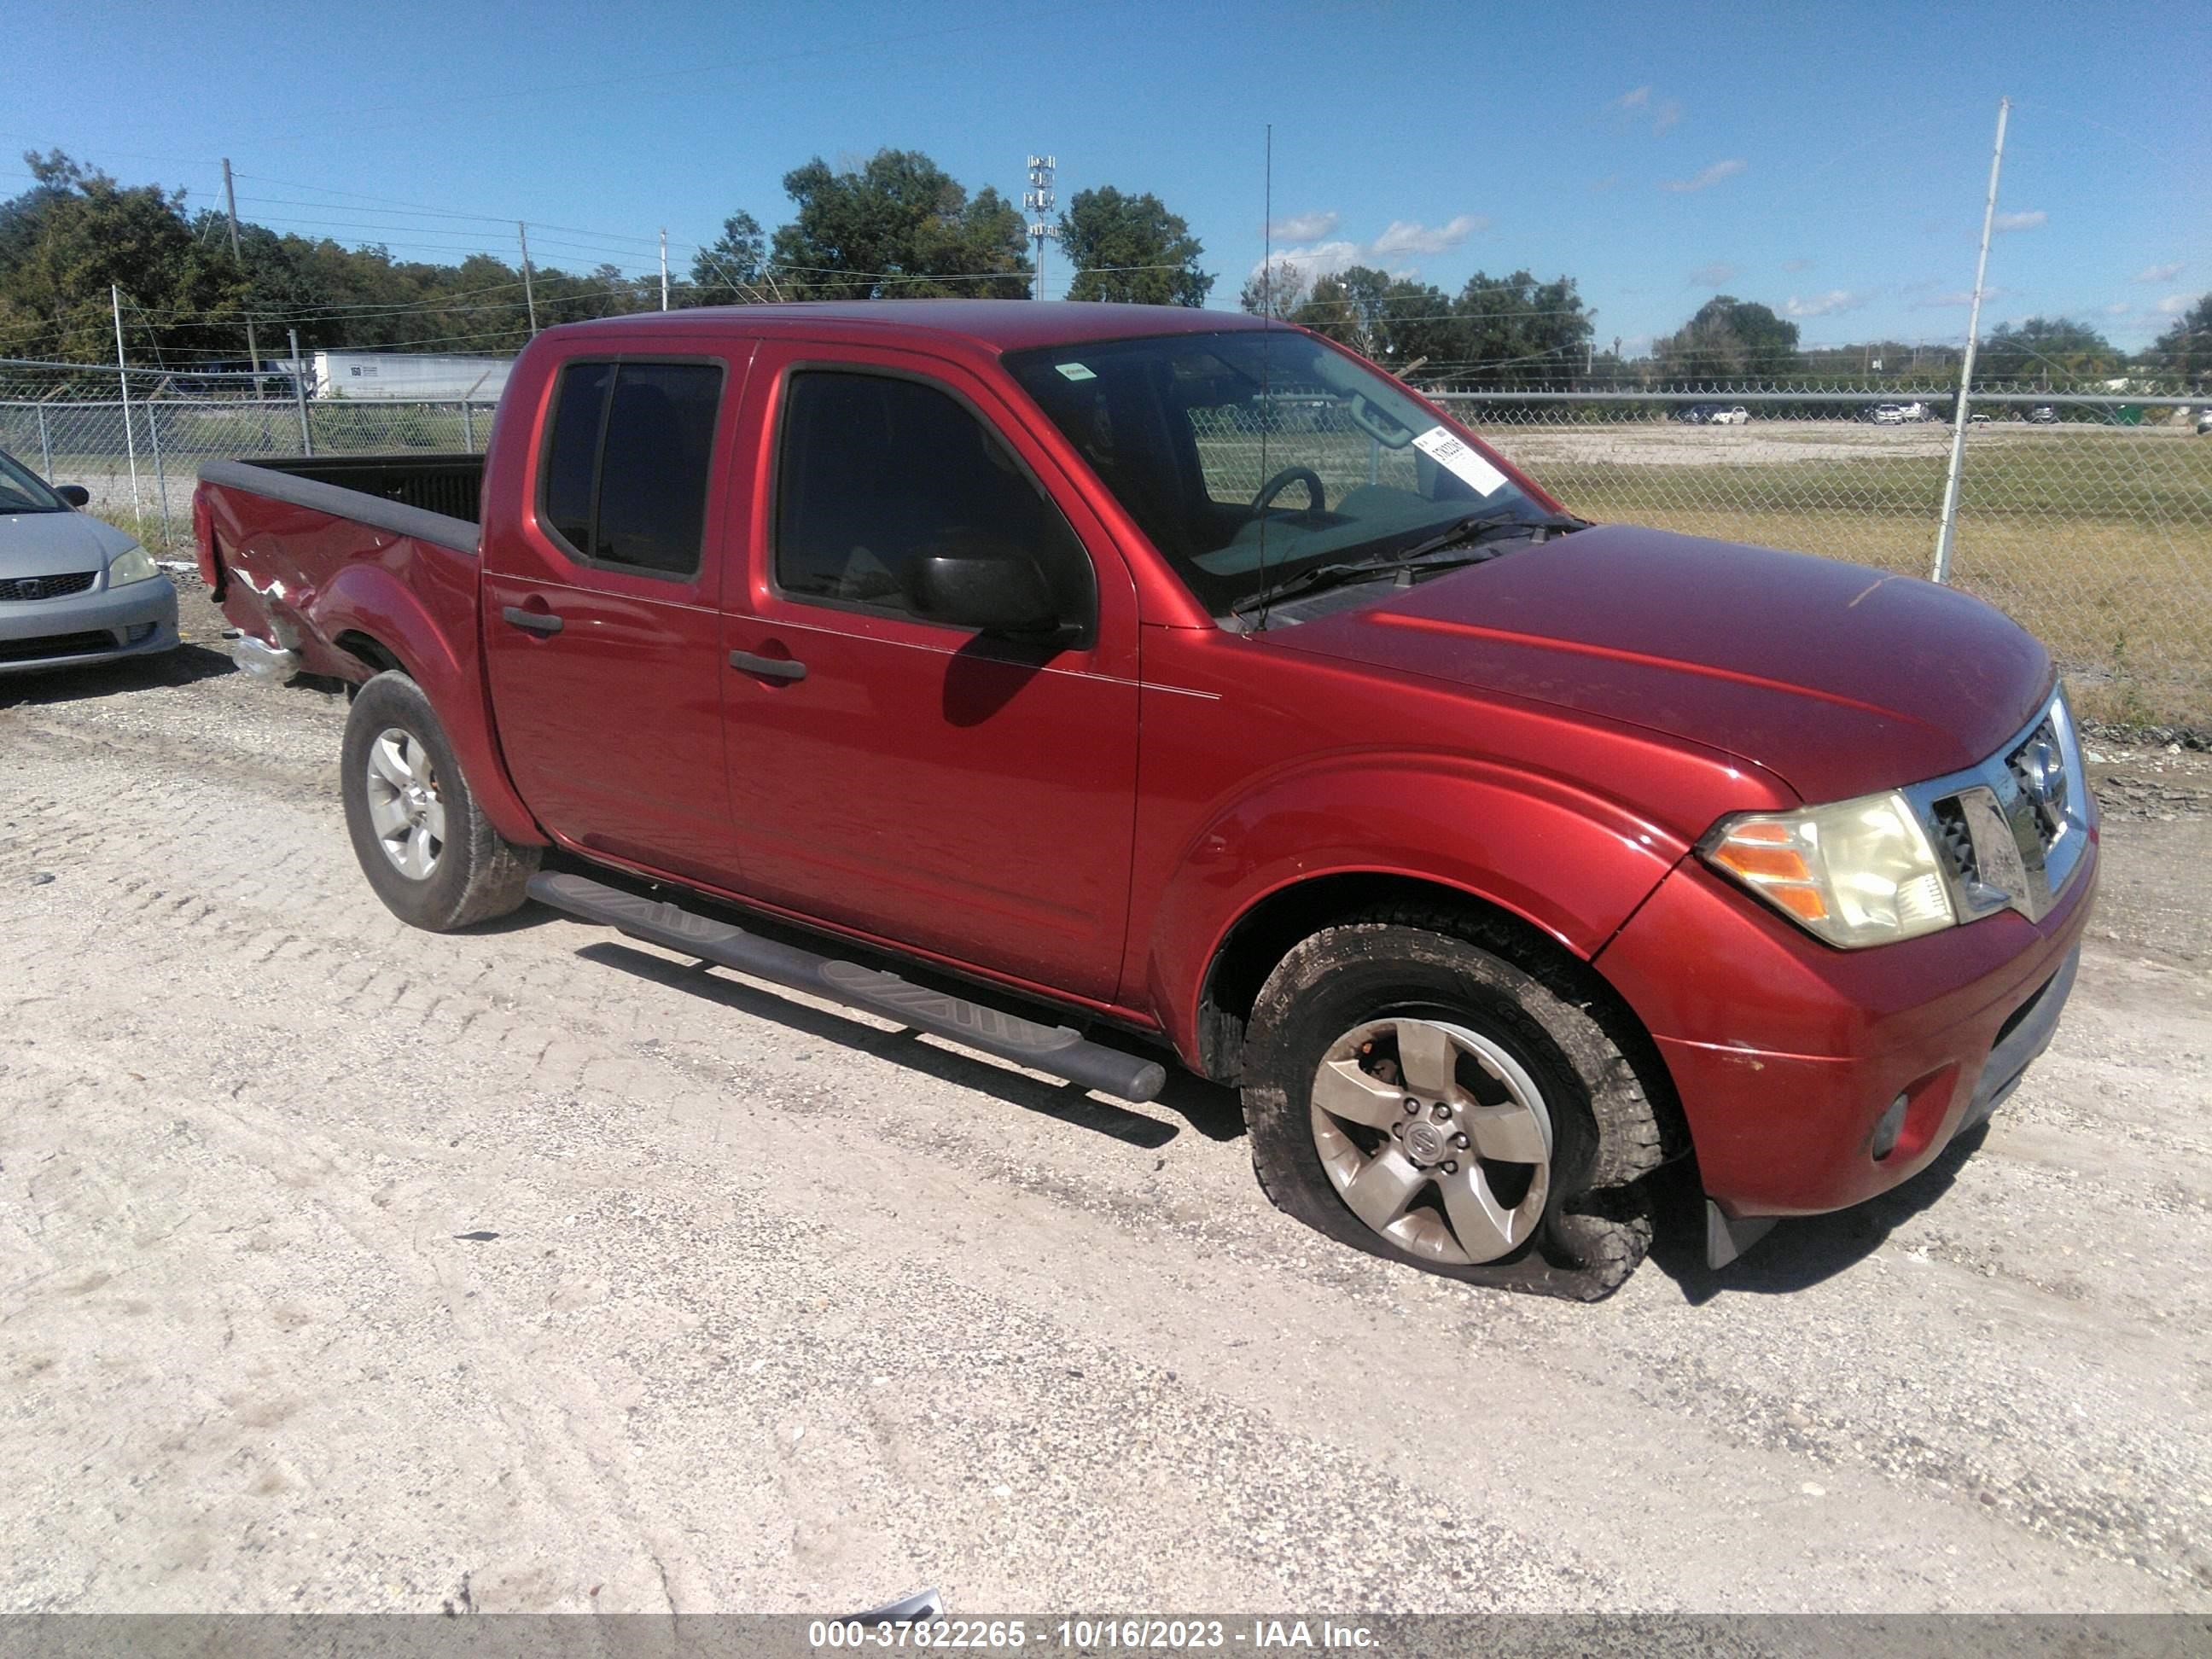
x=73 y=588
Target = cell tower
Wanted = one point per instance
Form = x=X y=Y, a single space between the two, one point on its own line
x=1038 y=200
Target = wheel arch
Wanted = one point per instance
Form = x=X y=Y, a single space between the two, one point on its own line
x=1265 y=933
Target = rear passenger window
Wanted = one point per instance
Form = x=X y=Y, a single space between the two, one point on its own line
x=875 y=473
x=627 y=465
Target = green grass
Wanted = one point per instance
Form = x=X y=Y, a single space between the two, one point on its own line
x=2099 y=543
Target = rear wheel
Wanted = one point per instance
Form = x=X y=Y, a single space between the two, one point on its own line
x=1422 y=1086
x=422 y=841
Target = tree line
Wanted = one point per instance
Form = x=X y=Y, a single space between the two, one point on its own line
x=896 y=226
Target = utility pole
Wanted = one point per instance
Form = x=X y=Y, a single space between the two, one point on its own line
x=230 y=202
x=1948 y=526
x=300 y=393
x=529 y=294
x=1038 y=199
x=123 y=378
x=664 y=267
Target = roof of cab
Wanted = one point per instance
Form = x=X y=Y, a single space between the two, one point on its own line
x=995 y=324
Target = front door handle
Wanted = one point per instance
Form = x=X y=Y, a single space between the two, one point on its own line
x=537 y=621
x=768 y=668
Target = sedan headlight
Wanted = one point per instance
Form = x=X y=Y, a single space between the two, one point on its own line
x=1857 y=873
x=133 y=564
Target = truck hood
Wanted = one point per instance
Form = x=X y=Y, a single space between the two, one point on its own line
x=1838 y=679
x=56 y=544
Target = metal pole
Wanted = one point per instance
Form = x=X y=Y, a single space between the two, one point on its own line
x=252 y=345
x=468 y=428
x=122 y=376
x=529 y=294
x=45 y=448
x=300 y=393
x=160 y=474
x=1948 y=526
x=664 y=267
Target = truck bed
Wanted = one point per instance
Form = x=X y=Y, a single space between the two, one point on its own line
x=449 y=485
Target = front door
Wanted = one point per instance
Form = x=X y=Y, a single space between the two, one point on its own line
x=602 y=632
x=966 y=795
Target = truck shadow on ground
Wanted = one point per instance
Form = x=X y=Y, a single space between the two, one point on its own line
x=183 y=666
x=1800 y=1252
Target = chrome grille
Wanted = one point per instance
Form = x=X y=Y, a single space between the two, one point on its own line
x=2009 y=833
x=1954 y=844
x=46 y=587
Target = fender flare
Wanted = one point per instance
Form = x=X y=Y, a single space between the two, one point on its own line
x=1495 y=835
x=367 y=598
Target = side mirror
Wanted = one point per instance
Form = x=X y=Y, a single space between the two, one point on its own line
x=74 y=495
x=993 y=593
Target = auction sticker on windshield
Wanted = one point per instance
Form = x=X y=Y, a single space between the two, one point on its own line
x=1460 y=461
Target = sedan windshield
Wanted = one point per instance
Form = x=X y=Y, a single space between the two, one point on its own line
x=23 y=491
x=1254 y=457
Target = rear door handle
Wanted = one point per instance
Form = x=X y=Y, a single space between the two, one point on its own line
x=768 y=668
x=537 y=621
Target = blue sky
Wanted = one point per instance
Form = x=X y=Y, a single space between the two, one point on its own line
x=1827 y=159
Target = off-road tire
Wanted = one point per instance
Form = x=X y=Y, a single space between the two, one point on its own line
x=479 y=873
x=1595 y=1228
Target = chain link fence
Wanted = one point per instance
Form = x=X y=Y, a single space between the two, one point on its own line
x=2086 y=515
x=139 y=454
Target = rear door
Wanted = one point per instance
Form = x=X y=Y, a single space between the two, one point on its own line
x=970 y=796
x=602 y=631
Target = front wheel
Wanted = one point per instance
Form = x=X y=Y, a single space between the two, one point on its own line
x=422 y=841
x=1422 y=1087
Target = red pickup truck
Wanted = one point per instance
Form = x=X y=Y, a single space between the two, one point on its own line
x=1189 y=675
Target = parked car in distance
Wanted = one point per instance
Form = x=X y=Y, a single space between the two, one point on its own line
x=2043 y=415
x=73 y=588
x=1713 y=415
x=2203 y=421
x=1500 y=859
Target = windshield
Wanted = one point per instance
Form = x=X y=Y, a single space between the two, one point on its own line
x=1251 y=456
x=21 y=490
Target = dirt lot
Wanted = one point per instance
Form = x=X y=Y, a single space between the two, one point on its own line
x=346 y=1267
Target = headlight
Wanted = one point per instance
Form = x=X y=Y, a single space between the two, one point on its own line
x=133 y=564
x=1859 y=872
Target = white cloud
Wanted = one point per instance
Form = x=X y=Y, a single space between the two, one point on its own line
x=1796 y=264
x=1958 y=296
x=1608 y=182
x=2030 y=221
x=1712 y=175
x=1304 y=227
x=1638 y=99
x=2173 y=305
x=1322 y=259
x=1409 y=236
x=1670 y=114
x=2119 y=308
x=2159 y=273
x=1824 y=304
x=1714 y=275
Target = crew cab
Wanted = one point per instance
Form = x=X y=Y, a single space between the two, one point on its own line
x=1186 y=675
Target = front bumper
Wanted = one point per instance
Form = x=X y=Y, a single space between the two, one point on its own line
x=1786 y=1054
x=139 y=620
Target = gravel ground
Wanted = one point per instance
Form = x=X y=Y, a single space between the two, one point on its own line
x=344 y=1267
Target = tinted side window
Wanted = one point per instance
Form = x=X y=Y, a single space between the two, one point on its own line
x=876 y=473
x=627 y=468
x=572 y=457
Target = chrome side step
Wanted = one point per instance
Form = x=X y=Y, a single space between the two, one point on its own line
x=1054 y=1049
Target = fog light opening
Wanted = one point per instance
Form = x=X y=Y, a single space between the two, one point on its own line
x=140 y=632
x=1888 y=1128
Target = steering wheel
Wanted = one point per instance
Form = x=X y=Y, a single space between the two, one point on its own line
x=1317 y=499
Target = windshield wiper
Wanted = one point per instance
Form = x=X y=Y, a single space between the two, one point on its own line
x=1419 y=557
x=1479 y=527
